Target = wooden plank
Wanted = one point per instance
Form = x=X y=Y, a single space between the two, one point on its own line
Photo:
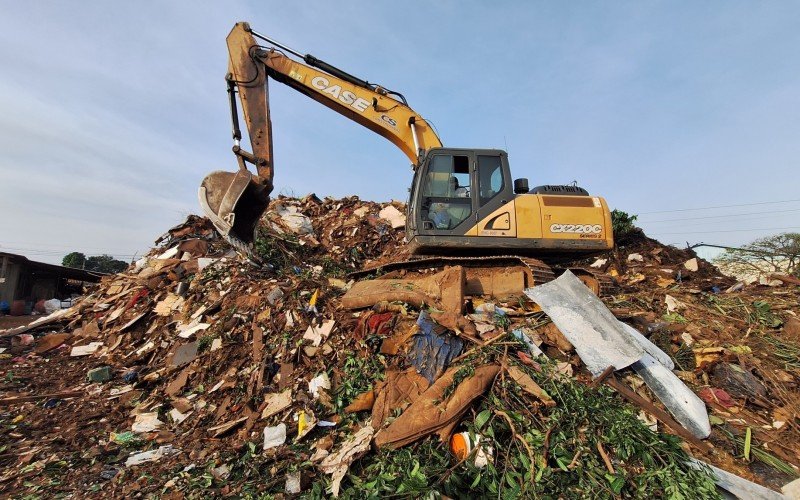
x=36 y=397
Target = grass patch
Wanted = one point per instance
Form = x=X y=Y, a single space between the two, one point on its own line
x=786 y=352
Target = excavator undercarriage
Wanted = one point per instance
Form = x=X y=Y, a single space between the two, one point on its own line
x=500 y=275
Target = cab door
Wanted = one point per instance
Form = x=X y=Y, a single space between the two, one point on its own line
x=445 y=196
x=495 y=215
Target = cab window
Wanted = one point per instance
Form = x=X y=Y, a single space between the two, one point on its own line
x=490 y=178
x=446 y=191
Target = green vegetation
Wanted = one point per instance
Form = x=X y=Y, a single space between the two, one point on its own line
x=533 y=451
x=787 y=352
x=774 y=254
x=100 y=263
x=537 y=453
x=622 y=222
x=762 y=313
x=360 y=374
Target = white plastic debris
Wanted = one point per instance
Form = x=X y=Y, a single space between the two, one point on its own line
x=150 y=456
x=292 y=486
x=139 y=264
x=338 y=462
x=599 y=263
x=172 y=252
x=635 y=257
x=673 y=304
x=321 y=381
x=274 y=436
x=85 y=350
x=146 y=422
x=51 y=306
x=395 y=217
x=294 y=220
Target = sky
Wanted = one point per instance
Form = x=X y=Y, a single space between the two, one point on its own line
x=111 y=113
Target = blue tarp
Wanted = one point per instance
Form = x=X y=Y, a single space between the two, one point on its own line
x=433 y=347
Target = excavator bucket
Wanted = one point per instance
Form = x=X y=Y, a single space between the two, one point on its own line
x=234 y=203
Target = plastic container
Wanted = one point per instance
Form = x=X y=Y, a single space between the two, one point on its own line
x=462 y=444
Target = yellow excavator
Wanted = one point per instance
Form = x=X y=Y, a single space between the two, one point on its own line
x=464 y=207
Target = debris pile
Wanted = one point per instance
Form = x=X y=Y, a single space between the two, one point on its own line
x=196 y=369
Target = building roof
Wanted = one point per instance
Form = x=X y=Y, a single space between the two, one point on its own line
x=61 y=271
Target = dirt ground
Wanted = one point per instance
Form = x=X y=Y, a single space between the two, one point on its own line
x=15 y=321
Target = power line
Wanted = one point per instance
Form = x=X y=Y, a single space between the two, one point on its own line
x=55 y=253
x=58 y=251
x=51 y=245
x=719 y=206
x=721 y=224
x=722 y=216
x=733 y=230
x=739 y=249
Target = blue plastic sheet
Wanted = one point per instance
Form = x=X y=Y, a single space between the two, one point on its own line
x=433 y=348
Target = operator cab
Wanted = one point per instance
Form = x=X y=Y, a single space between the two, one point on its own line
x=455 y=188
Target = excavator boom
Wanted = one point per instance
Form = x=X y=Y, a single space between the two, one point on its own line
x=235 y=201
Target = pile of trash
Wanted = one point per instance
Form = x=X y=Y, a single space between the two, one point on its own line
x=198 y=369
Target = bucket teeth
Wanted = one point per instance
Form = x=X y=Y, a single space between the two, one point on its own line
x=244 y=249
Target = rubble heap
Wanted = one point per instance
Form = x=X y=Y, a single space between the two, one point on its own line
x=196 y=371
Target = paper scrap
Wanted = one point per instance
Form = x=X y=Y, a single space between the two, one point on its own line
x=274 y=436
x=276 y=402
x=317 y=334
x=147 y=422
x=85 y=350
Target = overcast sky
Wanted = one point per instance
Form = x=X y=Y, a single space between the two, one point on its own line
x=112 y=112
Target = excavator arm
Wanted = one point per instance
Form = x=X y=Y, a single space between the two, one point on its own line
x=235 y=201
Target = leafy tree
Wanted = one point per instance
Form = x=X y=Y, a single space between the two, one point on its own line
x=74 y=259
x=773 y=254
x=105 y=264
x=622 y=222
